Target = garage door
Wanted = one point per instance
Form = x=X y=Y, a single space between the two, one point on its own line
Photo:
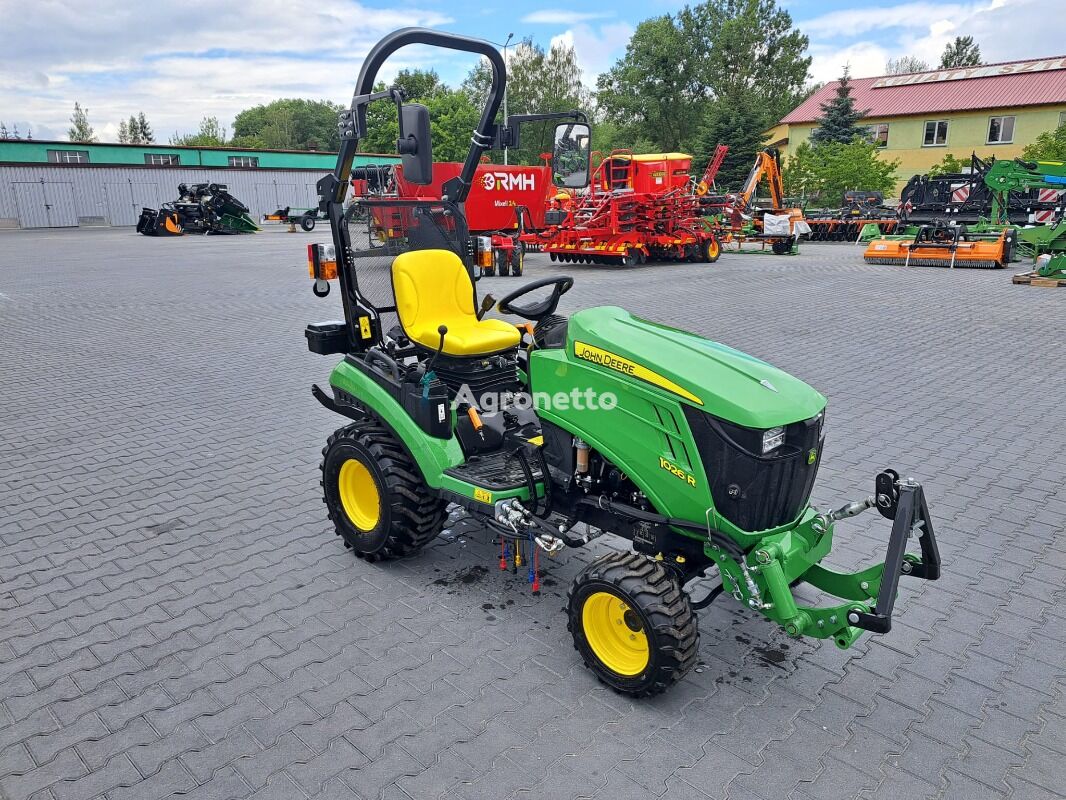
x=120 y=209
x=45 y=205
x=125 y=201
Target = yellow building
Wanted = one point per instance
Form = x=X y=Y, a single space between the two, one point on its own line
x=918 y=118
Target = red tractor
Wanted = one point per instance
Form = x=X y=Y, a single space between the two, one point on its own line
x=637 y=208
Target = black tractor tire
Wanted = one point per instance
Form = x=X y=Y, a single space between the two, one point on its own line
x=409 y=515
x=307 y=222
x=782 y=247
x=518 y=259
x=658 y=621
x=499 y=258
x=711 y=250
x=488 y=272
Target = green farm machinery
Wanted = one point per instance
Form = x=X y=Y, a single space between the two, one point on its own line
x=554 y=430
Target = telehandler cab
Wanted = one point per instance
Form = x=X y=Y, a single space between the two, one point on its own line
x=554 y=430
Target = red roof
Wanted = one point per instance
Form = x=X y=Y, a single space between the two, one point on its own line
x=1008 y=85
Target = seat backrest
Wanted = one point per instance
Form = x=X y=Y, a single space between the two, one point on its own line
x=431 y=287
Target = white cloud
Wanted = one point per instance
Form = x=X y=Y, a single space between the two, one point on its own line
x=178 y=63
x=862 y=58
x=555 y=16
x=1006 y=30
x=596 y=49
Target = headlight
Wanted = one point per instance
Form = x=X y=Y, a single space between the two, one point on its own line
x=772 y=439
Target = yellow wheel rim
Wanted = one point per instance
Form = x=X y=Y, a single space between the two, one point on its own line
x=712 y=248
x=359 y=494
x=615 y=633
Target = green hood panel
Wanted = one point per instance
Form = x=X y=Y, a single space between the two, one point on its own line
x=724 y=382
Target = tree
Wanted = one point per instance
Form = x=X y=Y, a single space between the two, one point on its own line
x=963 y=52
x=839 y=117
x=452 y=117
x=289 y=124
x=949 y=165
x=80 y=130
x=15 y=131
x=651 y=91
x=826 y=171
x=420 y=84
x=904 y=65
x=740 y=126
x=539 y=81
x=735 y=52
x=210 y=134
x=123 y=132
x=144 y=130
x=1048 y=146
x=3 y=130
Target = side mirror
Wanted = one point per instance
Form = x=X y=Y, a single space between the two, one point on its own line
x=415 y=145
x=570 y=155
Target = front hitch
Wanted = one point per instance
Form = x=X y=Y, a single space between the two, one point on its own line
x=763 y=580
x=907 y=509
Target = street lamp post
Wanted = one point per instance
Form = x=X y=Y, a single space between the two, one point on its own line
x=506 y=66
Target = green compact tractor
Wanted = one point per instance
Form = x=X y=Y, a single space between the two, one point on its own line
x=553 y=430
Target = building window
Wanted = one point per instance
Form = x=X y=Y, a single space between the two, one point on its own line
x=936 y=133
x=1000 y=130
x=243 y=161
x=1062 y=118
x=68 y=156
x=162 y=159
x=878 y=134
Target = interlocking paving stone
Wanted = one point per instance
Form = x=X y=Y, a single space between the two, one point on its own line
x=181 y=618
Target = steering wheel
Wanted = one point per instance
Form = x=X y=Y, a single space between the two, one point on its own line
x=546 y=307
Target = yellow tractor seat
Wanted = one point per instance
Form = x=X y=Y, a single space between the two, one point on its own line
x=433 y=288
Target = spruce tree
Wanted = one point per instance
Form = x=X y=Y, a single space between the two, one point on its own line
x=144 y=129
x=3 y=130
x=839 y=119
x=123 y=132
x=80 y=130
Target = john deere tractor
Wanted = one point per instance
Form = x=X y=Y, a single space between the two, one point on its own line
x=555 y=430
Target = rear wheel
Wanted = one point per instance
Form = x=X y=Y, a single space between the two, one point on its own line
x=307 y=222
x=374 y=494
x=632 y=624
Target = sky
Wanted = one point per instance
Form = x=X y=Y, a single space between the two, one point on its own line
x=186 y=59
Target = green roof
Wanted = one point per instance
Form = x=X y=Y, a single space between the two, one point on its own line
x=23 y=151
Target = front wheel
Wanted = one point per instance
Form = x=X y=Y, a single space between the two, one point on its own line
x=632 y=624
x=307 y=222
x=375 y=495
x=499 y=258
x=518 y=259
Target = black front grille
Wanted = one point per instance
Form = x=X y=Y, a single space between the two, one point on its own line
x=753 y=491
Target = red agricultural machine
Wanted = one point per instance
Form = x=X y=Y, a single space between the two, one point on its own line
x=504 y=201
x=637 y=208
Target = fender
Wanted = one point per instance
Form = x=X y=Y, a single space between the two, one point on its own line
x=432 y=455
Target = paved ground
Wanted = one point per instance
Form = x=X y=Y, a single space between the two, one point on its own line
x=177 y=618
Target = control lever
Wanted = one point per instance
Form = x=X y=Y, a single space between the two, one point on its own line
x=487 y=302
x=442 y=330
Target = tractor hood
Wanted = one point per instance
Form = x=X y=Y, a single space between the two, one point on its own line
x=724 y=382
